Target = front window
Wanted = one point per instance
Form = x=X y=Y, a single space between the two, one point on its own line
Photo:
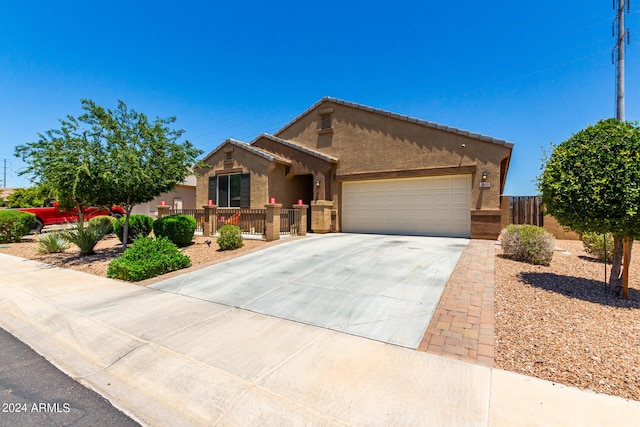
x=229 y=190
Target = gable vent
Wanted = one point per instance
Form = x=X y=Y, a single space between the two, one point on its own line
x=325 y=121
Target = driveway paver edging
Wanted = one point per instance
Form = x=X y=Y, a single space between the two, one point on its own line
x=462 y=325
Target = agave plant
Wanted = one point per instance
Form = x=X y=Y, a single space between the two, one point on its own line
x=86 y=237
x=51 y=243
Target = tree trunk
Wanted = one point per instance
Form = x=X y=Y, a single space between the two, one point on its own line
x=615 y=281
x=80 y=211
x=627 y=245
x=125 y=227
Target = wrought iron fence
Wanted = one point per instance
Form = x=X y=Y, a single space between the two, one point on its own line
x=198 y=214
x=290 y=222
x=251 y=221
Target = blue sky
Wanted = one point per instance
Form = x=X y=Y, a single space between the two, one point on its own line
x=529 y=72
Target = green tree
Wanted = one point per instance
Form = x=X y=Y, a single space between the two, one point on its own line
x=112 y=157
x=68 y=161
x=591 y=183
x=30 y=197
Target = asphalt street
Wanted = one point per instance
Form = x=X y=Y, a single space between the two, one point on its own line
x=33 y=392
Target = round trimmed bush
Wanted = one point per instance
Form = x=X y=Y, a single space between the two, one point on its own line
x=103 y=221
x=177 y=228
x=139 y=225
x=15 y=224
x=147 y=258
x=230 y=237
x=528 y=243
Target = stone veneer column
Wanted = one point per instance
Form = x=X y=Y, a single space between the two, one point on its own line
x=273 y=221
x=210 y=223
x=321 y=216
x=303 y=219
x=163 y=210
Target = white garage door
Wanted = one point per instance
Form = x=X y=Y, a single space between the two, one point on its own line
x=430 y=206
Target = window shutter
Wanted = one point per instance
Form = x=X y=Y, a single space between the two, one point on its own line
x=213 y=186
x=245 y=190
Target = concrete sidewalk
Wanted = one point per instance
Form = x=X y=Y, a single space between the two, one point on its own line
x=167 y=359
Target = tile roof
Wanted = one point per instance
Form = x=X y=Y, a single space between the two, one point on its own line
x=399 y=117
x=298 y=147
x=255 y=150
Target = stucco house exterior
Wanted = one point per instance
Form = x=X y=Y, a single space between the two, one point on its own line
x=183 y=196
x=366 y=170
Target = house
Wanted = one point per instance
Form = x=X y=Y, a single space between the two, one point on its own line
x=366 y=170
x=183 y=196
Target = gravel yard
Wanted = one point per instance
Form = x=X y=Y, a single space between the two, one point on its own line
x=200 y=253
x=559 y=324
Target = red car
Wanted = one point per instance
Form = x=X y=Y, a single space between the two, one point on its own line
x=51 y=214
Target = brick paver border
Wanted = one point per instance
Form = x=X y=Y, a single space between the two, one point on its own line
x=462 y=325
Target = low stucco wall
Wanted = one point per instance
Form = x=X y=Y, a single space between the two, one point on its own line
x=552 y=226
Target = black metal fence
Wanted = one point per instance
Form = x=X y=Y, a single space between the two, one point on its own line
x=290 y=222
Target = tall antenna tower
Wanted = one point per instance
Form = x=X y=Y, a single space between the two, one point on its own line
x=622 y=33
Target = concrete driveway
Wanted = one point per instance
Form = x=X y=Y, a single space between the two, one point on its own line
x=376 y=286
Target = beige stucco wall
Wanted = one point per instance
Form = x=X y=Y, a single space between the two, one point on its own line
x=553 y=227
x=374 y=145
x=241 y=161
x=367 y=142
x=187 y=193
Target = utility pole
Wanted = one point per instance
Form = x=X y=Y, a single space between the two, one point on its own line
x=4 y=181
x=622 y=33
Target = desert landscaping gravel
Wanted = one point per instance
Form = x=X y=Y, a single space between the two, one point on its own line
x=559 y=323
x=110 y=247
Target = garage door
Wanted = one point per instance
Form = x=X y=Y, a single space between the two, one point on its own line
x=430 y=206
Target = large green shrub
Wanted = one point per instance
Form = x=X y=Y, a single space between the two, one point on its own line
x=86 y=237
x=51 y=243
x=146 y=258
x=594 y=244
x=139 y=225
x=528 y=243
x=230 y=237
x=105 y=221
x=177 y=228
x=15 y=224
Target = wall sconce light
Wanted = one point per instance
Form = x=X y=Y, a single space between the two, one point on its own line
x=317 y=182
x=484 y=175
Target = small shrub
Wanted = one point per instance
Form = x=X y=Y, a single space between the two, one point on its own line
x=85 y=237
x=139 y=225
x=528 y=243
x=177 y=228
x=146 y=258
x=230 y=237
x=103 y=221
x=15 y=224
x=594 y=245
x=52 y=243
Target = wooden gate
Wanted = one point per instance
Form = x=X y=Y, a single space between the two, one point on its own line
x=526 y=210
